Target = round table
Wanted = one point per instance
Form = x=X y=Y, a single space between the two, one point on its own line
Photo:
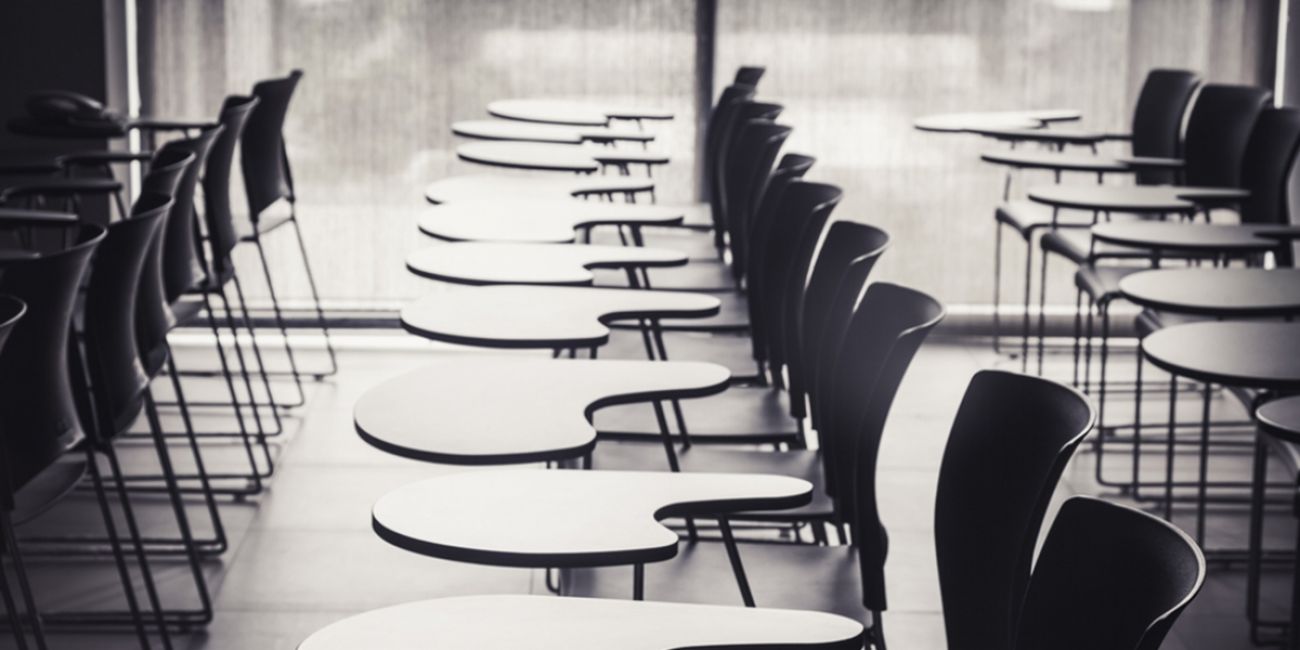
x=551 y=133
x=555 y=111
x=1055 y=161
x=1198 y=238
x=968 y=122
x=1224 y=293
x=1241 y=354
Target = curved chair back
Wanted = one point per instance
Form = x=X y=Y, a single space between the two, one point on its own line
x=112 y=352
x=728 y=159
x=848 y=254
x=883 y=335
x=263 y=157
x=182 y=261
x=791 y=168
x=801 y=215
x=1108 y=576
x=220 y=220
x=1217 y=131
x=1158 y=119
x=749 y=74
x=756 y=146
x=720 y=120
x=153 y=315
x=1009 y=443
x=1267 y=164
x=37 y=404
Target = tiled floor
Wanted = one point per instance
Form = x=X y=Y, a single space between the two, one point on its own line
x=303 y=554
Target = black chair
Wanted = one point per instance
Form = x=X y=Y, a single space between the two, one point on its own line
x=749 y=74
x=1108 y=577
x=885 y=331
x=43 y=437
x=1009 y=443
x=1156 y=134
x=267 y=181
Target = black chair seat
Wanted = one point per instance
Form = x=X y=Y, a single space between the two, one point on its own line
x=800 y=463
x=1026 y=216
x=47 y=488
x=264 y=225
x=736 y=416
x=1102 y=282
x=783 y=576
x=1075 y=244
x=734 y=352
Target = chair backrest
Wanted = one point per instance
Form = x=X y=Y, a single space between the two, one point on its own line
x=1217 y=130
x=1158 y=119
x=263 y=156
x=720 y=120
x=11 y=311
x=220 y=220
x=849 y=252
x=755 y=149
x=1108 y=576
x=182 y=262
x=37 y=405
x=791 y=168
x=1009 y=443
x=800 y=217
x=112 y=353
x=1267 y=164
x=729 y=158
x=883 y=335
x=153 y=315
x=749 y=74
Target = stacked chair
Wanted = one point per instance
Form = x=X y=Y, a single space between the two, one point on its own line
x=667 y=510
x=87 y=313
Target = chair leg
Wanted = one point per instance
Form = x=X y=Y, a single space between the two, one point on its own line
x=278 y=314
x=257 y=352
x=1042 y=308
x=737 y=568
x=246 y=377
x=315 y=296
x=24 y=587
x=1024 y=325
x=133 y=533
x=245 y=436
x=997 y=288
x=218 y=544
x=115 y=544
x=877 y=632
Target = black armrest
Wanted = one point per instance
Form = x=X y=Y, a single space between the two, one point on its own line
x=62 y=187
x=1139 y=162
x=162 y=124
x=21 y=217
x=102 y=157
x=28 y=162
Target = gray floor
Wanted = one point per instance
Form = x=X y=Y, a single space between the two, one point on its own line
x=303 y=554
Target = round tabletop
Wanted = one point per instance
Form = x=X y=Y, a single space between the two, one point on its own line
x=567 y=518
x=537 y=220
x=469 y=187
x=511 y=622
x=1227 y=292
x=1234 y=353
x=1069 y=162
x=1184 y=237
x=1281 y=418
x=552 y=133
x=541 y=156
x=487 y=410
x=539 y=317
x=525 y=263
x=967 y=122
x=1056 y=136
x=556 y=111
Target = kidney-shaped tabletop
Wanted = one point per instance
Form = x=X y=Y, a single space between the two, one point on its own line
x=511 y=622
x=524 y=263
x=553 y=133
x=477 y=410
x=524 y=316
x=981 y=120
x=469 y=187
x=536 y=220
x=543 y=156
x=558 y=111
x=567 y=518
